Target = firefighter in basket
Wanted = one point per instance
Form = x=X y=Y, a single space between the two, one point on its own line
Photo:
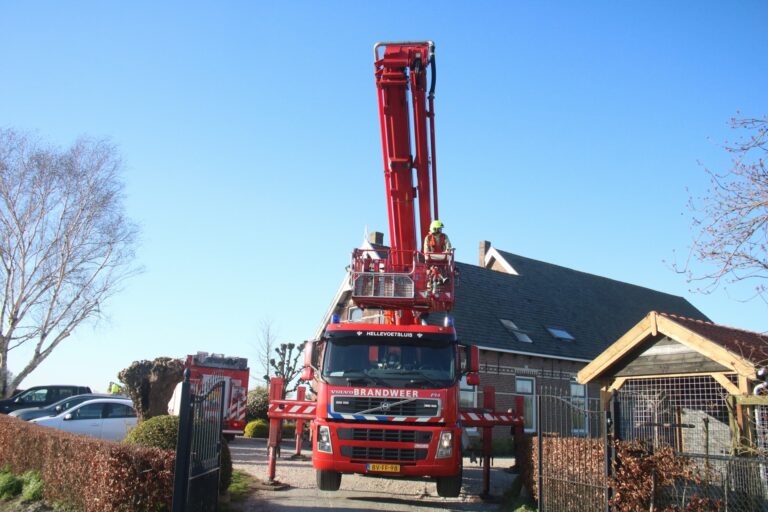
x=437 y=248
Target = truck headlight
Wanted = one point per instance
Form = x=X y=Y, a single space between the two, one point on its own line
x=324 y=439
x=445 y=445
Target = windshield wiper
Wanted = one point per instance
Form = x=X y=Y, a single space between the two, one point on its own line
x=421 y=378
x=365 y=377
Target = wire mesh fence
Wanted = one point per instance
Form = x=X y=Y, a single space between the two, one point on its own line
x=694 y=416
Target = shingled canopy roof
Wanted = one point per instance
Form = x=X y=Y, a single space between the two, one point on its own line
x=594 y=310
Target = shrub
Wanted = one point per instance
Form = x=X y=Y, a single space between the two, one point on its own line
x=10 y=485
x=33 y=486
x=258 y=404
x=257 y=428
x=156 y=432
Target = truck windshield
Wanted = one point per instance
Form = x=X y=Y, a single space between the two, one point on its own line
x=388 y=363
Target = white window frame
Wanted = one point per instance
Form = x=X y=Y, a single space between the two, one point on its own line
x=528 y=410
x=581 y=403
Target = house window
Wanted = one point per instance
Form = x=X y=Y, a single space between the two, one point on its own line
x=520 y=334
x=526 y=386
x=579 y=411
x=560 y=334
x=467 y=394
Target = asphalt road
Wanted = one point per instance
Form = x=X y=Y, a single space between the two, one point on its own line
x=358 y=493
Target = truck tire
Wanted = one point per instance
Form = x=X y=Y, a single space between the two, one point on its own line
x=328 y=480
x=449 y=486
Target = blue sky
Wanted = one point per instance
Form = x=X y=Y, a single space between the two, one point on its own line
x=569 y=132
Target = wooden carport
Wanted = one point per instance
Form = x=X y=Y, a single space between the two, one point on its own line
x=690 y=365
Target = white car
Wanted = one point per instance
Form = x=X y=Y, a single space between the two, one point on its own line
x=105 y=418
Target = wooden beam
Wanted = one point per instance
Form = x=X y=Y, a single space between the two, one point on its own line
x=617 y=383
x=611 y=354
x=670 y=375
x=729 y=386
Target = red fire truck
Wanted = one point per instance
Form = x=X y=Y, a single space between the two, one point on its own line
x=204 y=367
x=387 y=394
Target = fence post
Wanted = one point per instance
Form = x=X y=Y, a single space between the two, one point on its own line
x=489 y=404
x=183 y=442
x=540 y=445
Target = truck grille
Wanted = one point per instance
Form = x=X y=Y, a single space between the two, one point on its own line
x=388 y=454
x=387 y=436
x=356 y=405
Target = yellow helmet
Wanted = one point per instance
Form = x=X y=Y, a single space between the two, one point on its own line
x=436 y=224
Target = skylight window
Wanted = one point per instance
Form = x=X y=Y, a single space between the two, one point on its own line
x=514 y=329
x=560 y=334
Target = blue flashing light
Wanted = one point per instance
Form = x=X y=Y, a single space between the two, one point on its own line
x=448 y=321
x=335 y=318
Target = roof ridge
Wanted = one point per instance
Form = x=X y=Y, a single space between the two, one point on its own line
x=704 y=322
x=591 y=274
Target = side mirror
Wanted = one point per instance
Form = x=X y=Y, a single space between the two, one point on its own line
x=68 y=417
x=473 y=379
x=308 y=372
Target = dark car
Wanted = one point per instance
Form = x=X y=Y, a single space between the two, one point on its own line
x=40 y=396
x=59 y=407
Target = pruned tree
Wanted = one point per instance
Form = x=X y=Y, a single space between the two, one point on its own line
x=65 y=243
x=150 y=384
x=287 y=366
x=731 y=221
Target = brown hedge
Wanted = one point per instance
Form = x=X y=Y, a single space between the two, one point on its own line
x=578 y=467
x=90 y=474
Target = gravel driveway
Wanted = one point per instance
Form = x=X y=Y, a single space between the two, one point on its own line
x=358 y=493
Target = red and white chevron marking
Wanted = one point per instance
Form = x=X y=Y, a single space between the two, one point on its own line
x=292 y=410
x=487 y=419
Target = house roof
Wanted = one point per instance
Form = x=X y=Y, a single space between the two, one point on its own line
x=594 y=310
x=735 y=349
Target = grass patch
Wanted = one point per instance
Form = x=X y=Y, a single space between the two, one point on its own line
x=33 y=487
x=10 y=485
x=241 y=487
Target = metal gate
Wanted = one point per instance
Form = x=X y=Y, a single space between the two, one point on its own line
x=573 y=454
x=198 y=448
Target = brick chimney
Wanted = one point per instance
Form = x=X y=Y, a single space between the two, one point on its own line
x=485 y=246
x=376 y=237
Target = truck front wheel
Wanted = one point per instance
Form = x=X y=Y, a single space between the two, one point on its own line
x=449 y=486
x=329 y=480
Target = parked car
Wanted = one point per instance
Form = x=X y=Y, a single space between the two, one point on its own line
x=105 y=418
x=40 y=396
x=59 y=407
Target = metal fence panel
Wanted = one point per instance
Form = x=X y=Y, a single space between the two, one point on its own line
x=198 y=450
x=573 y=454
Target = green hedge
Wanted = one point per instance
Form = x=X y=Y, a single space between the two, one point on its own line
x=88 y=474
x=260 y=428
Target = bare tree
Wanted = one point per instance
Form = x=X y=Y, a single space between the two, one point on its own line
x=267 y=339
x=731 y=220
x=65 y=244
